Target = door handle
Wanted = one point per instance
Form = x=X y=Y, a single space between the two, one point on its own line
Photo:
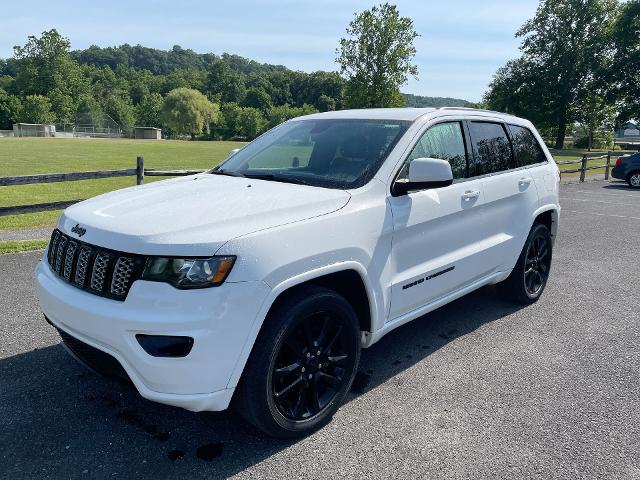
x=525 y=181
x=471 y=195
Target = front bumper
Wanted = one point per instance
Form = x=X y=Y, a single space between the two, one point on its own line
x=219 y=320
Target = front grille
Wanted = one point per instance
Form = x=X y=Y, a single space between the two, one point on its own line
x=96 y=270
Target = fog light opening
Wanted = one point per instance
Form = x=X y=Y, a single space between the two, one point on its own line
x=167 y=346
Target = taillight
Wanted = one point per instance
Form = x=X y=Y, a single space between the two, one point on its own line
x=619 y=162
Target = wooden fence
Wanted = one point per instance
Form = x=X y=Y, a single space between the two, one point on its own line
x=584 y=161
x=139 y=172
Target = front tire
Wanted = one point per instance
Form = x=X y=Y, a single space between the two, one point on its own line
x=634 y=180
x=302 y=365
x=529 y=277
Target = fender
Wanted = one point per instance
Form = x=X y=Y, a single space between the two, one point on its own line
x=555 y=217
x=376 y=309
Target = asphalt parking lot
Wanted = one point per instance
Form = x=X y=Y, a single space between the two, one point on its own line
x=477 y=389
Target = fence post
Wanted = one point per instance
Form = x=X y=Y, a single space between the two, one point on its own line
x=606 y=170
x=139 y=170
x=583 y=170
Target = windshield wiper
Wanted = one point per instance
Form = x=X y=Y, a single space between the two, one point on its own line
x=229 y=173
x=276 y=178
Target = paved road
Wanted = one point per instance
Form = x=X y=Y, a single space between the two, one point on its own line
x=477 y=389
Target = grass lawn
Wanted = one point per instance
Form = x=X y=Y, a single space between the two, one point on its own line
x=23 y=156
x=22 y=246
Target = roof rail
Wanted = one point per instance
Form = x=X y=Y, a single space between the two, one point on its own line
x=475 y=110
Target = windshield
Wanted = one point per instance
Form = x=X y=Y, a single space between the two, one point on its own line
x=331 y=153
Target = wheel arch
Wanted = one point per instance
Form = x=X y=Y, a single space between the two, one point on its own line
x=549 y=216
x=348 y=278
x=631 y=172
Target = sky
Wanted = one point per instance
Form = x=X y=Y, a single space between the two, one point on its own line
x=461 y=44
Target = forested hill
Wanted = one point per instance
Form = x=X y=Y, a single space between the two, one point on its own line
x=163 y=62
x=420 y=102
x=46 y=82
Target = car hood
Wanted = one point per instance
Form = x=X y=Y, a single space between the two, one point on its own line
x=195 y=215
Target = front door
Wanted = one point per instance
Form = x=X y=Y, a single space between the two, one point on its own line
x=438 y=232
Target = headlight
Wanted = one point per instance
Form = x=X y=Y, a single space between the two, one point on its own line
x=188 y=272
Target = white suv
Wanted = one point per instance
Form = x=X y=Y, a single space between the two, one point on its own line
x=260 y=280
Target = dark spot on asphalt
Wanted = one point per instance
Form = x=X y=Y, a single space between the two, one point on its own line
x=109 y=400
x=396 y=362
x=209 y=451
x=426 y=347
x=175 y=455
x=131 y=416
x=449 y=334
x=151 y=429
x=163 y=436
x=408 y=357
x=370 y=371
x=360 y=382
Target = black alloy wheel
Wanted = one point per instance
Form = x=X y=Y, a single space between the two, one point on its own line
x=537 y=264
x=302 y=363
x=312 y=366
x=529 y=276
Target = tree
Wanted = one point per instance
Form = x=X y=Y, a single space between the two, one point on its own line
x=62 y=105
x=228 y=125
x=325 y=103
x=251 y=122
x=596 y=115
x=188 y=111
x=625 y=73
x=149 y=110
x=376 y=58
x=281 y=113
x=224 y=84
x=10 y=107
x=44 y=64
x=517 y=88
x=121 y=110
x=566 y=44
x=36 y=109
x=257 y=98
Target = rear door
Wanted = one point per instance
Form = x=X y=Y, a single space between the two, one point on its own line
x=509 y=192
x=437 y=232
x=529 y=154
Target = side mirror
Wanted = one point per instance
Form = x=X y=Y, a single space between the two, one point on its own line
x=424 y=173
x=233 y=152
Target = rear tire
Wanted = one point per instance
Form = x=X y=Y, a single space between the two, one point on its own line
x=302 y=364
x=634 y=179
x=529 y=277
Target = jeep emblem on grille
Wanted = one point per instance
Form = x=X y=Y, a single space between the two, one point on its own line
x=79 y=230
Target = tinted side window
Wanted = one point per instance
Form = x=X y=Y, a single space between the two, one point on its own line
x=444 y=141
x=491 y=148
x=526 y=148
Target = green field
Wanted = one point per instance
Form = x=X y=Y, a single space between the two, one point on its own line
x=23 y=156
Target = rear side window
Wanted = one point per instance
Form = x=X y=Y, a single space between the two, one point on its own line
x=444 y=141
x=491 y=148
x=526 y=147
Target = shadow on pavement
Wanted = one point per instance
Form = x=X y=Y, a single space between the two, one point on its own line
x=60 y=420
x=621 y=185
